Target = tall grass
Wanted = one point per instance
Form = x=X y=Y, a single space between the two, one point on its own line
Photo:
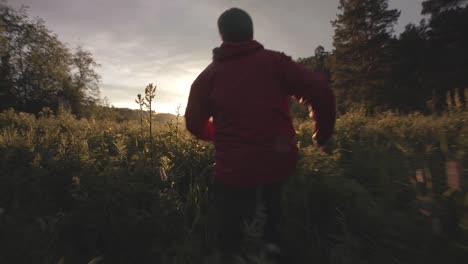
x=74 y=190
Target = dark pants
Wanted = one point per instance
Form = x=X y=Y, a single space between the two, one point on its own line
x=233 y=208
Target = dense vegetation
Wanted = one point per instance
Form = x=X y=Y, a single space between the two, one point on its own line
x=79 y=189
x=37 y=70
x=82 y=182
x=370 y=66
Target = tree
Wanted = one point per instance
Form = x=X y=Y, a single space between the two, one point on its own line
x=319 y=62
x=38 y=70
x=435 y=7
x=34 y=62
x=362 y=56
x=84 y=89
x=320 y=58
x=409 y=90
x=8 y=19
x=447 y=33
x=6 y=93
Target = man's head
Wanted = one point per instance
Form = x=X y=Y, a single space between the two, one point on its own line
x=235 y=25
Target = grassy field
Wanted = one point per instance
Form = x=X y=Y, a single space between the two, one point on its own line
x=77 y=191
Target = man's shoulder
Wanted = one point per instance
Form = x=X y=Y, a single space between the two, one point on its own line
x=272 y=52
x=277 y=55
x=209 y=69
x=207 y=73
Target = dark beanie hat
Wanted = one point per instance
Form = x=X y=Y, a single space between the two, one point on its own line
x=235 y=25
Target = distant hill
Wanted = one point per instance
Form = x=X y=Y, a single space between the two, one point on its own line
x=127 y=114
x=164 y=118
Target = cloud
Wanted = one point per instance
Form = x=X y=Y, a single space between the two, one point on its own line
x=169 y=42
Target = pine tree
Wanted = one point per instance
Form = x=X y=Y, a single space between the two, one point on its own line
x=447 y=31
x=409 y=90
x=435 y=7
x=361 y=64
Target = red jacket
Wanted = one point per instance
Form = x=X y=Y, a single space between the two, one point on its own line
x=246 y=89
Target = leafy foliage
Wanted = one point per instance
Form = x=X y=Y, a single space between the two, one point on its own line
x=447 y=32
x=79 y=189
x=372 y=68
x=362 y=50
x=37 y=70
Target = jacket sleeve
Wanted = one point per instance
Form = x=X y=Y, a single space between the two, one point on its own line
x=198 y=112
x=313 y=89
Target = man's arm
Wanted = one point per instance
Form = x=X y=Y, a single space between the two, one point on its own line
x=198 y=111
x=314 y=89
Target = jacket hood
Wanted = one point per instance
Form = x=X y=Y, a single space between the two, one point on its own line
x=229 y=50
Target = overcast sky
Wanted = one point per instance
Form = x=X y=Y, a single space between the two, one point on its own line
x=169 y=42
